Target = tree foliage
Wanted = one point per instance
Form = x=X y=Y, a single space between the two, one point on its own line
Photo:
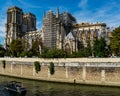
x=37 y=66
x=16 y=47
x=100 y=47
x=52 y=70
x=53 y=53
x=83 y=51
x=35 y=48
x=88 y=49
x=115 y=41
x=2 y=51
x=4 y=64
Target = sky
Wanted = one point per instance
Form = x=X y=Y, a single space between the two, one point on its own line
x=107 y=11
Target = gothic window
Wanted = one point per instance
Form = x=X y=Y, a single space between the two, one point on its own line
x=86 y=31
x=88 y=35
x=92 y=31
x=32 y=21
x=80 y=31
x=10 y=17
x=67 y=48
x=18 y=18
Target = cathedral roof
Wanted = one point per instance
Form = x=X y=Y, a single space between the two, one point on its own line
x=70 y=36
x=14 y=7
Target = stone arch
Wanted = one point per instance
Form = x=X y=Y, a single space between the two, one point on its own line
x=67 y=48
x=95 y=34
x=88 y=35
x=82 y=35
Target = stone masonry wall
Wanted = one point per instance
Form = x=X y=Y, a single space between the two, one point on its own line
x=101 y=73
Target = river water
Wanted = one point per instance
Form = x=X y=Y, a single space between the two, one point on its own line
x=38 y=88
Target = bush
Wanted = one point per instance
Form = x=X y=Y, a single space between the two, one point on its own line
x=52 y=70
x=30 y=54
x=4 y=64
x=23 y=54
x=37 y=66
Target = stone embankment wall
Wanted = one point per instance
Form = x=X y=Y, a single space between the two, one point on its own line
x=99 y=71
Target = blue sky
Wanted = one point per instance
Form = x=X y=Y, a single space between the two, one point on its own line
x=107 y=11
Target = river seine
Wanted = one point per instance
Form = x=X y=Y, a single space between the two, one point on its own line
x=38 y=88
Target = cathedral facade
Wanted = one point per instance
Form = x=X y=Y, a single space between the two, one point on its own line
x=18 y=24
x=59 y=30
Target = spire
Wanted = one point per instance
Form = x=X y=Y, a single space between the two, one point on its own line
x=44 y=14
x=57 y=13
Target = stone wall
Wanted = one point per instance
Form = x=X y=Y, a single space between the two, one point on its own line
x=100 y=73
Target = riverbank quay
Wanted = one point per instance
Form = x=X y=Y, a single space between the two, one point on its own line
x=89 y=71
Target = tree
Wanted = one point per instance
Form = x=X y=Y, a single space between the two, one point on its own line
x=56 y=53
x=37 y=66
x=2 y=51
x=53 y=53
x=99 y=47
x=88 y=49
x=44 y=52
x=35 y=48
x=4 y=64
x=16 y=47
x=52 y=70
x=115 y=41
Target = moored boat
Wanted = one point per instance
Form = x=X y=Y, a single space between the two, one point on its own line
x=16 y=87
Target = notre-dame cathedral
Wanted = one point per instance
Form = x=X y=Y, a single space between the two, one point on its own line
x=59 y=30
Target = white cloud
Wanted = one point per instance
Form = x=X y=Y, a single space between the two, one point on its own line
x=82 y=4
x=2 y=25
x=3 y=19
x=61 y=9
x=101 y=14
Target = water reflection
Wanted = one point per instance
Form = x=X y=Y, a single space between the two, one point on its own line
x=36 y=88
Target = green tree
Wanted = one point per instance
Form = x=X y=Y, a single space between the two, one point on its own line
x=52 y=70
x=115 y=41
x=80 y=53
x=56 y=53
x=88 y=49
x=23 y=54
x=53 y=53
x=16 y=47
x=83 y=51
x=36 y=47
x=2 y=51
x=37 y=66
x=44 y=52
x=4 y=64
x=100 y=47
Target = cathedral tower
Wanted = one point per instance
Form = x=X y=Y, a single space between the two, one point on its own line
x=13 y=25
x=29 y=22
